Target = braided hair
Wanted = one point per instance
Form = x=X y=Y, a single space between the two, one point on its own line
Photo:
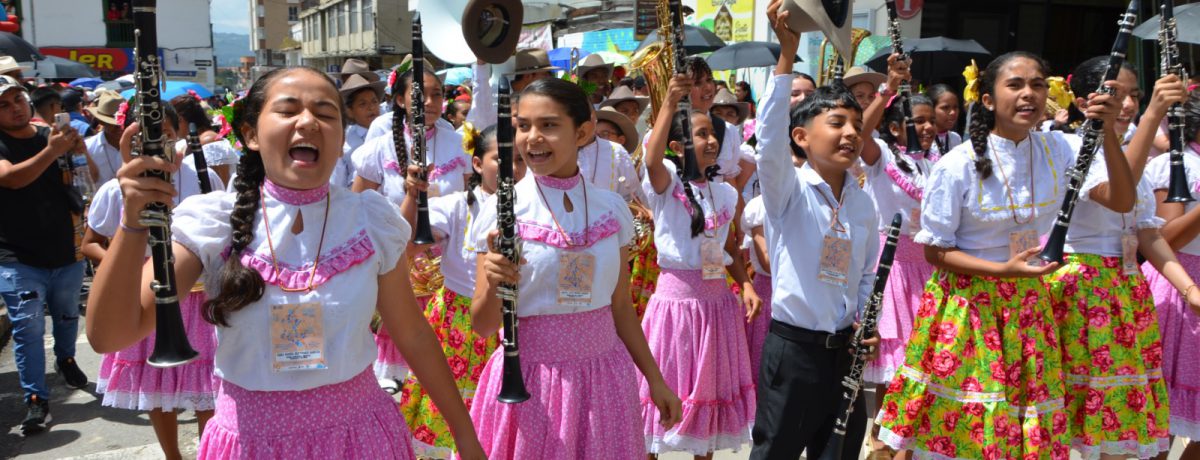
x=982 y=119
x=895 y=115
x=481 y=144
x=239 y=285
x=697 y=213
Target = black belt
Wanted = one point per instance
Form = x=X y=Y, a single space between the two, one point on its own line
x=836 y=340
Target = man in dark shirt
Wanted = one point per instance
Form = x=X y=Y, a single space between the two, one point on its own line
x=38 y=266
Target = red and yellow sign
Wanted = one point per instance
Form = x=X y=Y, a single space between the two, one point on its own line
x=101 y=59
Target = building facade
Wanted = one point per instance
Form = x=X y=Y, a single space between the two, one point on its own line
x=100 y=34
x=377 y=31
x=270 y=26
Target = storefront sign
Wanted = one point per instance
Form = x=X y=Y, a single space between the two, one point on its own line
x=101 y=59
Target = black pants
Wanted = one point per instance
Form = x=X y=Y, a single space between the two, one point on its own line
x=799 y=394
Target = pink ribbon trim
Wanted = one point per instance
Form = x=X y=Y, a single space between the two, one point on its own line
x=602 y=228
x=341 y=258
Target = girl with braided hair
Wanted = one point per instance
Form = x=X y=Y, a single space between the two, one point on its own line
x=449 y=311
x=293 y=270
x=983 y=376
x=381 y=168
x=693 y=321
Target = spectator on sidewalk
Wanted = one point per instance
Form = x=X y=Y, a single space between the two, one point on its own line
x=72 y=103
x=38 y=266
x=46 y=103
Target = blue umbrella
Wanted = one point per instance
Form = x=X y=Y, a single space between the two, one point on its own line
x=175 y=88
x=88 y=82
x=561 y=57
x=455 y=76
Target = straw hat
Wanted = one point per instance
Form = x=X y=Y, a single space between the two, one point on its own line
x=106 y=106
x=8 y=64
x=623 y=123
x=592 y=62
x=859 y=74
x=356 y=82
x=530 y=60
x=493 y=41
x=726 y=98
x=621 y=94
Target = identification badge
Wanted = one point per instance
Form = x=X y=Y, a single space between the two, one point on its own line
x=712 y=257
x=297 y=337
x=1022 y=241
x=575 y=271
x=835 y=261
x=1129 y=249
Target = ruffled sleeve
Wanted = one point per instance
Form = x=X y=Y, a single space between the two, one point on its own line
x=945 y=192
x=620 y=210
x=444 y=212
x=483 y=224
x=201 y=224
x=753 y=215
x=1158 y=172
x=885 y=158
x=370 y=164
x=386 y=227
x=1097 y=174
x=220 y=153
x=104 y=215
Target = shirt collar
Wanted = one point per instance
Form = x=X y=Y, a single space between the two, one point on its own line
x=810 y=176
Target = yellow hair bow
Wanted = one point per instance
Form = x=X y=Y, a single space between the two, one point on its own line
x=1060 y=92
x=470 y=135
x=971 y=91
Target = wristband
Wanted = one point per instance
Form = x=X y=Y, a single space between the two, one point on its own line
x=129 y=229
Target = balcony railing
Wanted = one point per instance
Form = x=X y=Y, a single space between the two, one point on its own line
x=119 y=33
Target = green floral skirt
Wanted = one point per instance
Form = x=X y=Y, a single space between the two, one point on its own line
x=982 y=377
x=1116 y=397
x=449 y=315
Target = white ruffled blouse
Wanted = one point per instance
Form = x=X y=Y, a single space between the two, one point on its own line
x=378 y=163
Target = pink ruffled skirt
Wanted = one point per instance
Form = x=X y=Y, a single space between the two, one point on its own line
x=901 y=297
x=756 y=331
x=1179 y=327
x=354 y=419
x=389 y=363
x=129 y=383
x=583 y=393
x=696 y=334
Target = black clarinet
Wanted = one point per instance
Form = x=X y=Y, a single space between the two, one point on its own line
x=913 y=144
x=691 y=170
x=422 y=233
x=1177 y=189
x=854 y=380
x=1091 y=134
x=197 y=152
x=839 y=74
x=171 y=347
x=512 y=386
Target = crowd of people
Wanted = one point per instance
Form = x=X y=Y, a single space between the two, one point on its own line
x=658 y=313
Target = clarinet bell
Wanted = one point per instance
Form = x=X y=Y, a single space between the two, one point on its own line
x=1053 y=250
x=512 y=384
x=171 y=347
x=1177 y=189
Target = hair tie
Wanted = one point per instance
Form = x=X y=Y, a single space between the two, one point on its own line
x=122 y=110
x=392 y=80
x=1069 y=76
x=971 y=91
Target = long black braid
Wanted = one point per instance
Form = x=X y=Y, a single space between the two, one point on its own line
x=697 y=213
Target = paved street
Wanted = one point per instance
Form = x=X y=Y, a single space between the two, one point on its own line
x=82 y=429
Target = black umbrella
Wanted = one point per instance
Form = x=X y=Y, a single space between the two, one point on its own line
x=934 y=57
x=1187 y=25
x=746 y=54
x=695 y=40
x=54 y=67
x=18 y=48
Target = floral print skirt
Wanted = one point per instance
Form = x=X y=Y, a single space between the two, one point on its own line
x=644 y=276
x=1112 y=356
x=449 y=314
x=982 y=377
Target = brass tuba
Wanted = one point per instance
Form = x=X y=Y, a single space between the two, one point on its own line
x=826 y=67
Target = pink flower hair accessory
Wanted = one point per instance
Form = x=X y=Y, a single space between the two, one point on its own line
x=226 y=128
x=122 y=111
x=192 y=92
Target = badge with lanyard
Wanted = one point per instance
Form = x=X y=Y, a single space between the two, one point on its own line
x=712 y=252
x=575 y=273
x=835 y=249
x=297 y=337
x=1129 y=249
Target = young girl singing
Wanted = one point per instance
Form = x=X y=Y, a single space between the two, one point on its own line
x=1116 y=398
x=126 y=381
x=1179 y=306
x=449 y=312
x=293 y=269
x=693 y=321
x=983 y=376
x=380 y=169
x=579 y=336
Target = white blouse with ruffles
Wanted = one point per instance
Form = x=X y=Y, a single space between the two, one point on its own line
x=754 y=215
x=607 y=228
x=962 y=210
x=895 y=191
x=376 y=161
x=365 y=236
x=1096 y=229
x=451 y=218
x=677 y=249
x=1158 y=174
